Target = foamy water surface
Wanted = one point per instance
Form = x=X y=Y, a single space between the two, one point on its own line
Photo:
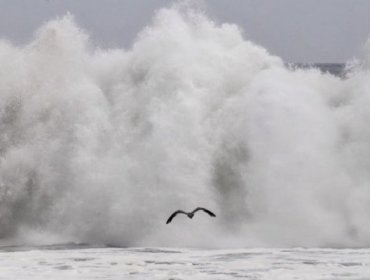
x=69 y=262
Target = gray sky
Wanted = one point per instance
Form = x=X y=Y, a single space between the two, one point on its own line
x=296 y=30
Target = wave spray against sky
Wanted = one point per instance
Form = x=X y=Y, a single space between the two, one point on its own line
x=100 y=146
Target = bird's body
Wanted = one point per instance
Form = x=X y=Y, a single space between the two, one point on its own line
x=190 y=214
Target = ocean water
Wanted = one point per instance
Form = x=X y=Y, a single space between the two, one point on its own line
x=99 y=146
x=77 y=262
x=337 y=69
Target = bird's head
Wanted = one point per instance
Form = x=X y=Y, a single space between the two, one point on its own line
x=191 y=215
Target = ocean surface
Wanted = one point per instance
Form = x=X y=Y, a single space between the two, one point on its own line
x=337 y=69
x=77 y=262
x=99 y=146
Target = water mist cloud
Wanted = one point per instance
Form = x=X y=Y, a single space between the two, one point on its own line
x=101 y=145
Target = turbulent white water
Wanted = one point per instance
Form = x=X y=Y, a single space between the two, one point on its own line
x=71 y=263
x=100 y=146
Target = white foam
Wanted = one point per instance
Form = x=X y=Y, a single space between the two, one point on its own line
x=102 y=145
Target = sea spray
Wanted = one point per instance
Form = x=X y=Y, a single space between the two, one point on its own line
x=100 y=146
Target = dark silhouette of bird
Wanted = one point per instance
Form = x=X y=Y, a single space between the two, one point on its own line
x=189 y=214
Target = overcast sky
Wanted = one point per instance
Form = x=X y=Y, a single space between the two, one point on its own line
x=296 y=30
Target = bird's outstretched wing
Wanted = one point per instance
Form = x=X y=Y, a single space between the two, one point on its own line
x=205 y=210
x=174 y=214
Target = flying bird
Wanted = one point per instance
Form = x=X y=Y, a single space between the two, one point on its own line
x=189 y=214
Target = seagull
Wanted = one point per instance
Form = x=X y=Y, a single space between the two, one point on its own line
x=189 y=214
